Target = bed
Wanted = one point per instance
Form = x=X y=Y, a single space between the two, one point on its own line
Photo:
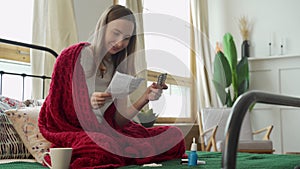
x=23 y=115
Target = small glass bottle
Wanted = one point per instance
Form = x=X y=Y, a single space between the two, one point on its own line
x=193 y=156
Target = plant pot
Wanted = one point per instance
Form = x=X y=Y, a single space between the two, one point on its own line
x=245 y=48
x=147 y=120
x=148 y=124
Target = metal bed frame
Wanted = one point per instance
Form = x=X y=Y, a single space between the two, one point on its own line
x=23 y=75
x=239 y=110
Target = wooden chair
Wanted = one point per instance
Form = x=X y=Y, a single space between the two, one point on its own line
x=212 y=122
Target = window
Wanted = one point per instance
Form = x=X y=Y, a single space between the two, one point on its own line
x=16 y=20
x=167 y=50
x=16 y=24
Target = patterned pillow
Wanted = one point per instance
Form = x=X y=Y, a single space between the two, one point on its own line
x=11 y=145
x=25 y=121
x=12 y=103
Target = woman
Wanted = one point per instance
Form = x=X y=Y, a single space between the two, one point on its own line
x=78 y=113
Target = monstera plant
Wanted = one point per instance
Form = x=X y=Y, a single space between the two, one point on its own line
x=230 y=76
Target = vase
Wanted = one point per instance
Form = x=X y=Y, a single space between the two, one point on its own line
x=245 y=48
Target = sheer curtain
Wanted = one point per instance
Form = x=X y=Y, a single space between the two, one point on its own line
x=140 y=59
x=54 y=26
x=203 y=51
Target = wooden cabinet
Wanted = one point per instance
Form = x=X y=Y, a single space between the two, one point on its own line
x=280 y=75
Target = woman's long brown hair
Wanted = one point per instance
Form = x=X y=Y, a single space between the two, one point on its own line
x=113 y=13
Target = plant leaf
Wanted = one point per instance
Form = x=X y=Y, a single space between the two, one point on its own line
x=230 y=50
x=222 y=71
x=229 y=101
x=243 y=87
x=220 y=89
x=243 y=75
x=231 y=55
x=222 y=76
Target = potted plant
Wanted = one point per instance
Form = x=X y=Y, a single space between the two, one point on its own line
x=230 y=76
x=231 y=79
x=147 y=117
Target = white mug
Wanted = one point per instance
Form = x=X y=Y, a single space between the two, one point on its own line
x=60 y=158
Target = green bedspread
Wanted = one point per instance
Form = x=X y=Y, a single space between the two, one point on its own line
x=212 y=159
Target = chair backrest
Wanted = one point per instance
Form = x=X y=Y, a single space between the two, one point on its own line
x=219 y=116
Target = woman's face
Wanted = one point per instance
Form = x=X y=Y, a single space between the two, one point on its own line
x=117 y=36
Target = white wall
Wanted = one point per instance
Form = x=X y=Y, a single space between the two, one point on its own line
x=279 y=18
x=87 y=14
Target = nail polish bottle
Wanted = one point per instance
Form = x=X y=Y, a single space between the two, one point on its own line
x=193 y=156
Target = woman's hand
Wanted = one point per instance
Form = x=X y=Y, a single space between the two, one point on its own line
x=98 y=99
x=154 y=91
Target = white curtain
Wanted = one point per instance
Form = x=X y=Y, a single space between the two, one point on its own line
x=140 y=60
x=54 y=26
x=204 y=52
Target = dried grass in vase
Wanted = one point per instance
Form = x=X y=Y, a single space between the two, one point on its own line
x=244 y=27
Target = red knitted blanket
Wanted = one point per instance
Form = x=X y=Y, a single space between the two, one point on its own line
x=67 y=120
